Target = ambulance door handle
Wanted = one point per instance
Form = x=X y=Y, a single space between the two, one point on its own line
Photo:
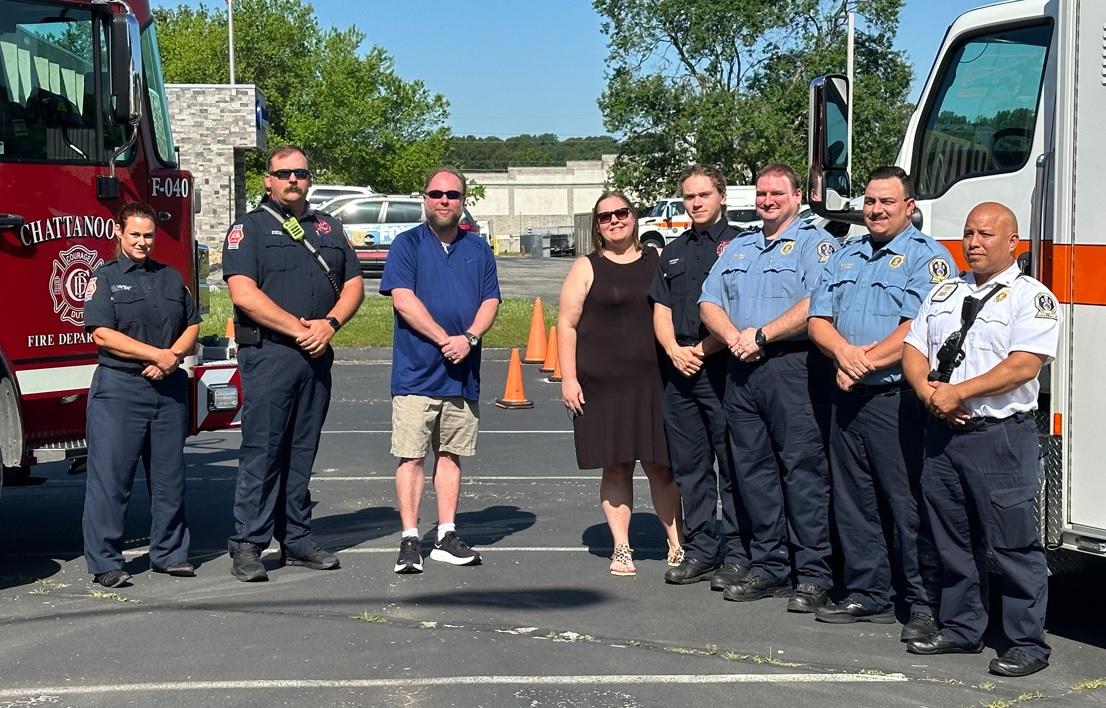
x=11 y=221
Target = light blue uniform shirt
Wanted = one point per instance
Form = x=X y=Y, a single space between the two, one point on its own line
x=756 y=280
x=868 y=290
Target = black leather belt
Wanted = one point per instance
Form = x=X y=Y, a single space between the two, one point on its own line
x=984 y=422
x=879 y=390
x=787 y=347
x=270 y=336
x=123 y=369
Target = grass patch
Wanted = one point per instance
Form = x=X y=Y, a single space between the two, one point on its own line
x=369 y=617
x=372 y=325
x=1091 y=685
x=101 y=595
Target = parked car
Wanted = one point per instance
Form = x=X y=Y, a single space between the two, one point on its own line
x=320 y=194
x=372 y=223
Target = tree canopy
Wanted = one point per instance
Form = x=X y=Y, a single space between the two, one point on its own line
x=546 y=150
x=359 y=122
x=725 y=82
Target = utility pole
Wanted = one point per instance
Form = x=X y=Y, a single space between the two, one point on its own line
x=230 y=37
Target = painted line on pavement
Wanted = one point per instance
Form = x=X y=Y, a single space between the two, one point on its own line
x=389 y=432
x=213 y=552
x=593 y=680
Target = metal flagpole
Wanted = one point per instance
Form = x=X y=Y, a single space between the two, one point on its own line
x=851 y=71
x=230 y=37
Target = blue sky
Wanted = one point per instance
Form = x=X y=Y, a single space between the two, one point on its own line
x=536 y=66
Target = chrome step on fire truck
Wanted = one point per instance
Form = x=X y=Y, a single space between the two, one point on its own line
x=84 y=128
x=1012 y=112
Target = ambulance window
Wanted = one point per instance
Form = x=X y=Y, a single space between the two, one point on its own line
x=982 y=117
x=53 y=67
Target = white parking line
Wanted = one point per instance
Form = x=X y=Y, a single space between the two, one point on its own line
x=592 y=680
x=198 y=553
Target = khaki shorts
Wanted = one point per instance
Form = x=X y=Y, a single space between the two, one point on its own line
x=423 y=423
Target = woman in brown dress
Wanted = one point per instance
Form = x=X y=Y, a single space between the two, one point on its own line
x=611 y=380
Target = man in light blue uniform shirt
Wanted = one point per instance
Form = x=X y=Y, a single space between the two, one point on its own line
x=755 y=301
x=869 y=293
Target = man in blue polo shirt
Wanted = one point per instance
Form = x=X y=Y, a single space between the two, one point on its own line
x=445 y=293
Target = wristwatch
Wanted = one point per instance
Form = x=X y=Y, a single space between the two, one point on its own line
x=473 y=340
x=334 y=323
x=759 y=338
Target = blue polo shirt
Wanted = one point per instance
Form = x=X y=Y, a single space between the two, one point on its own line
x=868 y=290
x=451 y=285
x=757 y=279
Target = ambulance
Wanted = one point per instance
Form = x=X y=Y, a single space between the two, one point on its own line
x=1012 y=112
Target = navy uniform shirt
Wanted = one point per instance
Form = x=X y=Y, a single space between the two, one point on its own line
x=684 y=264
x=757 y=279
x=257 y=247
x=868 y=289
x=145 y=301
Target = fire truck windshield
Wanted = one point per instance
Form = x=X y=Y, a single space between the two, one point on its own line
x=159 y=106
x=54 y=85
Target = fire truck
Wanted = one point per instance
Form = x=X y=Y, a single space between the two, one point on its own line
x=1011 y=112
x=84 y=128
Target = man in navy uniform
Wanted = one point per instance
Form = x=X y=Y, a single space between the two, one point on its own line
x=755 y=301
x=294 y=281
x=694 y=384
x=973 y=355
x=868 y=294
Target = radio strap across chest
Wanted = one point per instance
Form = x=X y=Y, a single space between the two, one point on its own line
x=951 y=354
x=294 y=230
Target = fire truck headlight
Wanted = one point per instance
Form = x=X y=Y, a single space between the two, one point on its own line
x=222 y=397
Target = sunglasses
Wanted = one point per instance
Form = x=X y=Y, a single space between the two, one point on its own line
x=452 y=194
x=300 y=173
x=622 y=214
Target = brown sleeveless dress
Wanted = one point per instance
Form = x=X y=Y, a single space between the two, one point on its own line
x=617 y=366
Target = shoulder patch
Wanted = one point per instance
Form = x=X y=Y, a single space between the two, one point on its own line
x=944 y=292
x=721 y=247
x=322 y=226
x=1046 y=306
x=235 y=236
x=90 y=289
x=897 y=261
x=938 y=270
x=825 y=250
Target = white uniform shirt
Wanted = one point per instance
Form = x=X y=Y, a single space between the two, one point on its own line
x=1022 y=316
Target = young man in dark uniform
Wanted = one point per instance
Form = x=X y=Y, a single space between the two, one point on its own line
x=294 y=281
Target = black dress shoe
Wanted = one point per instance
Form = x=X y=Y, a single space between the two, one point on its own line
x=246 y=563
x=807 y=597
x=728 y=575
x=1016 y=662
x=921 y=626
x=690 y=571
x=938 y=643
x=315 y=558
x=180 y=569
x=848 y=611
x=754 y=587
x=114 y=578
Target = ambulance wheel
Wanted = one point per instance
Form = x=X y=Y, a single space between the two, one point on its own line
x=653 y=241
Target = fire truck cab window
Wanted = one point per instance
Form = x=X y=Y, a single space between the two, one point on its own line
x=159 y=105
x=981 y=120
x=54 y=85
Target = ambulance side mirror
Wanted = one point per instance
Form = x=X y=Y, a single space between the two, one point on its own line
x=828 y=145
x=127 y=85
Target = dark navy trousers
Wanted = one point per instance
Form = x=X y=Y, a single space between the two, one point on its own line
x=876 y=454
x=778 y=446
x=132 y=418
x=285 y=399
x=980 y=488
x=696 y=430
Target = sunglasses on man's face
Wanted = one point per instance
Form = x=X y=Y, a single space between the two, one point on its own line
x=451 y=194
x=300 y=173
x=605 y=217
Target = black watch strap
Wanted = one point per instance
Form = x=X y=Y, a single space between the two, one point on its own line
x=759 y=338
x=472 y=338
x=334 y=323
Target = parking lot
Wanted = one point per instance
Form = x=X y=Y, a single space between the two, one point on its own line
x=540 y=623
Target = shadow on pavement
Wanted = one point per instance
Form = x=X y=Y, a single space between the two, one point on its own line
x=24 y=571
x=646 y=538
x=487 y=526
x=554 y=598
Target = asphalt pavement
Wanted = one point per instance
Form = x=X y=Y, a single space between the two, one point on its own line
x=540 y=623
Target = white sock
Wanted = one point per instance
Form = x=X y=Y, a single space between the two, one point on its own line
x=411 y=533
x=443 y=529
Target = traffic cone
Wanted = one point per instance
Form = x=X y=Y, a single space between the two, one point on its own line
x=550 y=364
x=535 y=344
x=232 y=346
x=514 y=394
x=555 y=377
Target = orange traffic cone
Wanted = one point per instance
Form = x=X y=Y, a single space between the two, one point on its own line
x=229 y=331
x=232 y=345
x=514 y=394
x=555 y=377
x=550 y=352
x=535 y=344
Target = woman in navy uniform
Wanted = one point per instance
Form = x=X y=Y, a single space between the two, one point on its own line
x=144 y=322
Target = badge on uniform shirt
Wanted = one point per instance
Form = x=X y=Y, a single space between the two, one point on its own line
x=944 y=292
x=825 y=250
x=938 y=270
x=787 y=248
x=90 y=289
x=294 y=228
x=721 y=247
x=1046 y=306
x=897 y=261
x=1003 y=294
x=235 y=236
x=322 y=227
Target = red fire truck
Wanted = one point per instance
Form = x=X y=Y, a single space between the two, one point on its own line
x=84 y=128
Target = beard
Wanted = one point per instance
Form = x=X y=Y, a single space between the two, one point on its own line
x=443 y=223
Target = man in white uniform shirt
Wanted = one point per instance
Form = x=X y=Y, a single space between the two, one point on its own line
x=973 y=355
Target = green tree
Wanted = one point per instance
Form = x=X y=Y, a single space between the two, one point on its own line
x=359 y=122
x=725 y=82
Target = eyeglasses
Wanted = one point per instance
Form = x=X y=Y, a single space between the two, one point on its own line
x=451 y=194
x=300 y=173
x=622 y=214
